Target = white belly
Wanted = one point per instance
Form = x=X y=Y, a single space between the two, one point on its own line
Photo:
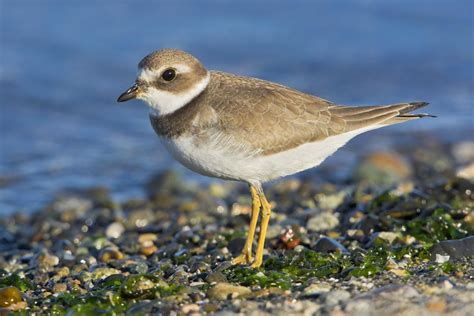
x=213 y=161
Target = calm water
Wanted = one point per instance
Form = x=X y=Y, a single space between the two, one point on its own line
x=64 y=64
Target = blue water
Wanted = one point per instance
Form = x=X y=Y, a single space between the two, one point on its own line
x=63 y=63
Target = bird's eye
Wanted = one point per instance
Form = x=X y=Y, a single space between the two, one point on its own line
x=168 y=74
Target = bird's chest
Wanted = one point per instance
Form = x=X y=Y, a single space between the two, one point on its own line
x=201 y=157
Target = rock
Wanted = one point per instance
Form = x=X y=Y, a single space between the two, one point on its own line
x=322 y=221
x=102 y=273
x=223 y=291
x=190 y=308
x=327 y=245
x=9 y=295
x=466 y=172
x=380 y=238
x=114 y=230
x=137 y=285
x=235 y=245
x=359 y=308
x=441 y=259
x=45 y=261
x=59 y=288
x=330 y=201
x=463 y=152
x=337 y=296
x=383 y=168
x=108 y=254
x=217 y=277
x=148 y=250
x=455 y=249
x=316 y=289
x=147 y=239
x=436 y=305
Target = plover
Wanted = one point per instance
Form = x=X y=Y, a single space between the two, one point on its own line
x=246 y=129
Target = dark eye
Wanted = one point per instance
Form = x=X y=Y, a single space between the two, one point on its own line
x=168 y=74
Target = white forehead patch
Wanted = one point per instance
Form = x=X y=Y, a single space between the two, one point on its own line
x=164 y=102
x=150 y=75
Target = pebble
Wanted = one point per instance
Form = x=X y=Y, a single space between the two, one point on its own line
x=383 y=168
x=380 y=238
x=316 y=288
x=337 y=296
x=109 y=254
x=102 y=273
x=327 y=245
x=322 y=221
x=463 y=152
x=189 y=308
x=148 y=250
x=59 y=288
x=223 y=291
x=147 y=239
x=436 y=305
x=455 y=249
x=217 y=277
x=9 y=295
x=466 y=172
x=114 y=230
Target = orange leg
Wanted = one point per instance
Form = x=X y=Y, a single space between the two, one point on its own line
x=246 y=256
x=266 y=212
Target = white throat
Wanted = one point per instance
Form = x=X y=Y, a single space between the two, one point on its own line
x=163 y=102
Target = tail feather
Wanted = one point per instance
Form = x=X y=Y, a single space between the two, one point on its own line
x=359 y=117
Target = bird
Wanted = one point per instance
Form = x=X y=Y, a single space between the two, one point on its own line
x=246 y=129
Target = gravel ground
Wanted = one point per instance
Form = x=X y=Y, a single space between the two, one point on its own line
x=396 y=238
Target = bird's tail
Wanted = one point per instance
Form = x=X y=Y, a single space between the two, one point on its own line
x=363 y=116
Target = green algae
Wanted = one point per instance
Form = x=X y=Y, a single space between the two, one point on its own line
x=14 y=280
x=437 y=227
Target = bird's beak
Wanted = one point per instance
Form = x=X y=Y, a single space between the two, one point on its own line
x=131 y=93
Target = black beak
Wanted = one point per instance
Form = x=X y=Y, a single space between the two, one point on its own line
x=131 y=93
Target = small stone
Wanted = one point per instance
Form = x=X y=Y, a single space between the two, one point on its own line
x=46 y=261
x=235 y=245
x=463 y=152
x=455 y=249
x=217 y=277
x=275 y=291
x=330 y=201
x=189 y=308
x=109 y=254
x=380 y=238
x=437 y=305
x=9 y=295
x=114 y=230
x=147 y=239
x=466 y=172
x=337 y=296
x=148 y=250
x=322 y=221
x=359 y=308
x=383 y=168
x=316 y=289
x=102 y=273
x=441 y=258
x=223 y=291
x=327 y=245
x=399 y=272
x=59 y=288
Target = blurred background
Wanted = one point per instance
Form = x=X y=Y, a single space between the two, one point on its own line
x=63 y=64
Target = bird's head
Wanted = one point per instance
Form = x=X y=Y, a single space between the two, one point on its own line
x=167 y=80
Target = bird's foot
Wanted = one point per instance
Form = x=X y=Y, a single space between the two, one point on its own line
x=257 y=263
x=243 y=258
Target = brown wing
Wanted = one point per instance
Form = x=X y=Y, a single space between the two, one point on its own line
x=270 y=118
